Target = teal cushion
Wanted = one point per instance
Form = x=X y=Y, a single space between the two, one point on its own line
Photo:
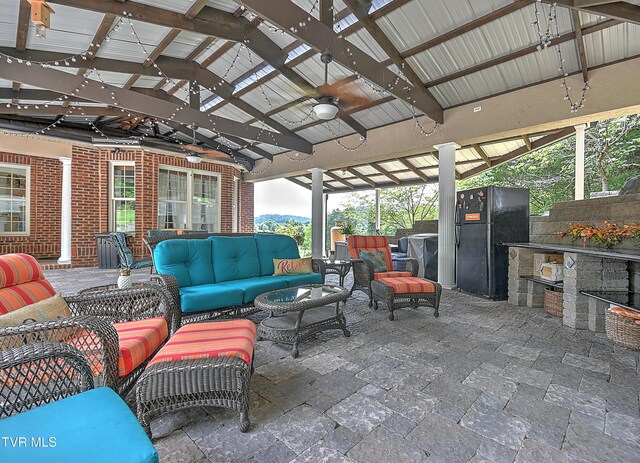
x=234 y=257
x=208 y=297
x=306 y=279
x=274 y=247
x=253 y=287
x=95 y=426
x=187 y=260
x=377 y=257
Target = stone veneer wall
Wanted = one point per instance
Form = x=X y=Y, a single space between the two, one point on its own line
x=582 y=272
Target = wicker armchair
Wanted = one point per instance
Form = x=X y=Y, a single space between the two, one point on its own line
x=40 y=373
x=364 y=270
x=90 y=329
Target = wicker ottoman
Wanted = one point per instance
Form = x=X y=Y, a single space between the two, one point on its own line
x=399 y=292
x=202 y=364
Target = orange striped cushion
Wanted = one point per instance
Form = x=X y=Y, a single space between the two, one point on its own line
x=233 y=338
x=19 y=268
x=18 y=296
x=356 y=243
x=409 y=285
x=138 y=340
x=379 y=275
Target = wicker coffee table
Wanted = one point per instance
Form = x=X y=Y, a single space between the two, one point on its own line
x=297 y=313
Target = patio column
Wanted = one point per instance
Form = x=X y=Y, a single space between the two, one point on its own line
x=378 y=209
x=65 y=225
x=317 y=212
x=579 y=180
x=446 y=214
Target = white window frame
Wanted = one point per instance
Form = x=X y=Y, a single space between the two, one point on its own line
x=112 y=214
x=235 y=204
x=27 y=221
x=190 y=173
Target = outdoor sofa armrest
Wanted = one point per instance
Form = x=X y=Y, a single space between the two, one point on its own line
x=123 y=305
x=170 y=284
x=407 y=264
x=39 y=373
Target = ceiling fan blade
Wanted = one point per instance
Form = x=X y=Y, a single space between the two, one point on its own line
x=348 y=95
x=205 y=152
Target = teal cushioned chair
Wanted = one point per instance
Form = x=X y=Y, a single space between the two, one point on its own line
x=125 y=255
x=235 y=257
x=94 y=425
x=253 y=287
x=209 y=297
x=189 y=261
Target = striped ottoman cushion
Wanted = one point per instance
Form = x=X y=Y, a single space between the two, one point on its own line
x=233 y=338
x=381 y=275
x=138 y=340
x=409 y=285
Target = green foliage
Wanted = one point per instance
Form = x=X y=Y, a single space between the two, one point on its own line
x=612 y=156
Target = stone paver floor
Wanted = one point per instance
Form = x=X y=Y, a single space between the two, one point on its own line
x=484 y=382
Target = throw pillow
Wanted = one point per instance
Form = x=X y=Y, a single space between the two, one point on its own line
x=292 y=266
x=47 y=310
x=377 y=257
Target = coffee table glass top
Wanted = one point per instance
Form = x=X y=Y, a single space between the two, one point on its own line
x=302 y=294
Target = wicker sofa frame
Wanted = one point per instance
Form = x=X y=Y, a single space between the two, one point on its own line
x=91 y=328
x=59 y=371
x=217 y=382
x=383 y=292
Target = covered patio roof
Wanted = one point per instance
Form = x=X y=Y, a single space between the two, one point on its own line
x=248 y=74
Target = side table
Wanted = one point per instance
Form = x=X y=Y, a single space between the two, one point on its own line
x=338 y=267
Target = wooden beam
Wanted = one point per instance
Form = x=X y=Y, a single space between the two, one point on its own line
x=577 y=27
x=527 y=141
x=24 y=14
x=299 y=183
x=338 y=179
x=413 y=169
x=478 y=149
x=362 y=177
x=326 y=12
x=385 y=172
x=474 y=24
x=518 y=54
x=328 y=187
x=63 y=82
x=360 y=9
x=620 y=10
x=539 y=143
x=323 y=38
x=157 y=51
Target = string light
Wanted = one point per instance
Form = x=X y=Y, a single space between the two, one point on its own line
x=546 y=35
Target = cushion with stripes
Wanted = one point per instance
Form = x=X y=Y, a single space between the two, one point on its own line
x=379 y=275
x=138 y=340
x=409 y=285
x=21 y=295
x=233 y=338
x=19 y=268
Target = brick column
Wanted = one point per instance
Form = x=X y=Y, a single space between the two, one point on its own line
x=520 y=264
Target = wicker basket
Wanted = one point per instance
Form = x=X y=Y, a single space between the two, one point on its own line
x=553 y=302
x=623 y=330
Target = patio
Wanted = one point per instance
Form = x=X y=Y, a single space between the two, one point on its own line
x=486 y=381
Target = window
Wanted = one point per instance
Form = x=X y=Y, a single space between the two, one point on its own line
x=123 y=197
x=188 y=199
x=14 y=199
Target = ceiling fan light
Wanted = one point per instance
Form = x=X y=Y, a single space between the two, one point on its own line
x=325 y=111
x=194 y=158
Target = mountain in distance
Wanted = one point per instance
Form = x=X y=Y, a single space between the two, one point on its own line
x=279 y=218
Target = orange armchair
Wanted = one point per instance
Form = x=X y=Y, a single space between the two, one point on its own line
x=371 y=260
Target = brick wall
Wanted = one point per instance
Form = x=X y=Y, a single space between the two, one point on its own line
x=90 y=200
x=45 y=211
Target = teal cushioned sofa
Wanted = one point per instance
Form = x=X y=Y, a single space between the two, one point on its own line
x=221 y=274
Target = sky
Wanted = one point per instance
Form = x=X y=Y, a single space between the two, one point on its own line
x=281 y=196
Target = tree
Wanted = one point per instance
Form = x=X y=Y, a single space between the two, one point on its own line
x=402 y=207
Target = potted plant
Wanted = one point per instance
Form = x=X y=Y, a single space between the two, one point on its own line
x=347 y=230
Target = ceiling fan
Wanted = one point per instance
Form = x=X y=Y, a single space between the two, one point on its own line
x=336 y=96
x=195 y=152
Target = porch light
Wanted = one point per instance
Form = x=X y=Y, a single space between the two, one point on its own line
x=325 y=111
x=194 y=158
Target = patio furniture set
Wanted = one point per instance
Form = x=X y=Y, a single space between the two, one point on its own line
x=180 y=340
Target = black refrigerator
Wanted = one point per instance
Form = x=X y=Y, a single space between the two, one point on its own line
x=485 y=218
